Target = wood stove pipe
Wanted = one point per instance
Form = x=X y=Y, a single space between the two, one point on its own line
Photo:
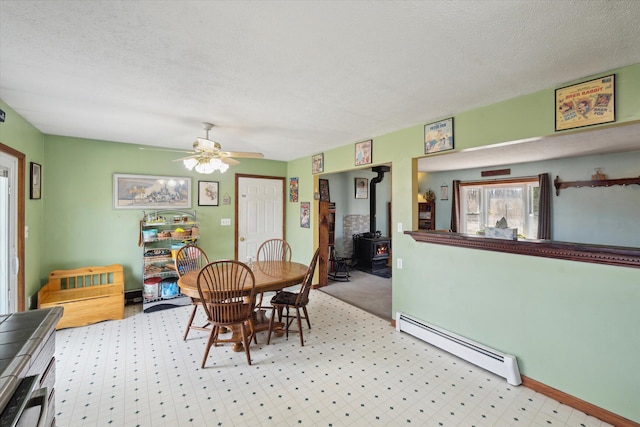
x=380 y=170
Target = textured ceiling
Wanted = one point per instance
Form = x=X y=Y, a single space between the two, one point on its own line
x=291 y=79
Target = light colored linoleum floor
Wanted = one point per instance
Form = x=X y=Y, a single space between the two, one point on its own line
x=354 y=370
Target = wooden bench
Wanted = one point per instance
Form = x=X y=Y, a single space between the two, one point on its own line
x=88 y=295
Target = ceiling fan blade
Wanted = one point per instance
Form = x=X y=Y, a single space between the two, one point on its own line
x=242 y=154
x=170 y=150
x=229 y=161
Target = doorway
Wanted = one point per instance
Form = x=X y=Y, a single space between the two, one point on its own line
x=11 y=221
x=259 y=212
x=361 y=199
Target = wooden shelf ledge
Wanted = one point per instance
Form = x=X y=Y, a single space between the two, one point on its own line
x=594 y=183
x=597 y=254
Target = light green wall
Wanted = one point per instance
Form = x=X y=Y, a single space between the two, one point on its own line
x=572 y=325
x=20 y=135
x=301 y=239
x=82 y=228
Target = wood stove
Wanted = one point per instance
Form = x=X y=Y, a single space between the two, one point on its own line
x=372 y=252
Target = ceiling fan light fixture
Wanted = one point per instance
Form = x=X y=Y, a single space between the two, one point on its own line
x=206 y=165
x=190 y=163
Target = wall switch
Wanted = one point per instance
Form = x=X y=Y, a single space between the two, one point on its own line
x=399 y=227
x=26 y=231
x=399 y=263
x=225 y=221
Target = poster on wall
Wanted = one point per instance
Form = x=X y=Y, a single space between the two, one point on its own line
x=305 y=214
x=586 y=104
x=438 y=136
x=293 y=189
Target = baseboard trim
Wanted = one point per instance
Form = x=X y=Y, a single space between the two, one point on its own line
x=579 y=404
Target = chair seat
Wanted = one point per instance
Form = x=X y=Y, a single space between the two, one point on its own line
x=284 y=297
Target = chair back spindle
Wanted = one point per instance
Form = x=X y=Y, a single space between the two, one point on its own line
x=190 y=258
x=274 y=250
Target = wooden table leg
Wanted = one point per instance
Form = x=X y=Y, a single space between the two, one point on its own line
x=260 y=324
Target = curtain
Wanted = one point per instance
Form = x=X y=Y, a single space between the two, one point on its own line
x=544 y=207
x=455 y=207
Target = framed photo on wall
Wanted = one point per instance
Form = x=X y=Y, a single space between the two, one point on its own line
x=305 y=214
x=35 y=191
x=438 y=136
x=323 y=187
x=586 y=104
x=363 y=152
x=293 y=189
x=362 y=188
x=444 y=192
x=317 y=163
x=208 y=193
x=151 y=192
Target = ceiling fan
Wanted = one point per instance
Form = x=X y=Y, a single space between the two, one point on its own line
x=207 y=155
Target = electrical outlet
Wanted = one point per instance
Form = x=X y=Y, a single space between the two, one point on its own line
x=225 y=221
x=399 y=263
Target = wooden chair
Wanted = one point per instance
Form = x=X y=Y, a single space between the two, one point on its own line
x=227 y=291
x=191 y=258
x=284 y=300
x=272 y=250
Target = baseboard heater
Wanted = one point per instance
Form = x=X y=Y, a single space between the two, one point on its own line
x=504 y=365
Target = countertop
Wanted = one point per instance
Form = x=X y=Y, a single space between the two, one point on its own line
x=21 y=335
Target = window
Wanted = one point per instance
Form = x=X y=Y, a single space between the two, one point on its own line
x=484 y=204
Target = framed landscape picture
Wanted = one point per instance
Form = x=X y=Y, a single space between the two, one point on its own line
x=151 y=192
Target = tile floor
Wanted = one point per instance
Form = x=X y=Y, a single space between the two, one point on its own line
x=354 y=370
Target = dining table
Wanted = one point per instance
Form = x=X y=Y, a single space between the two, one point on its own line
x=269 y=276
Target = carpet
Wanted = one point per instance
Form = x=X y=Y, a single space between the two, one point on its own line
x=365 y=291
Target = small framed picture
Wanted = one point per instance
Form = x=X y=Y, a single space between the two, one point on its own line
x=36 y=181
x=317 y=163
x=305 y=214
x=438 y=136
x=208 y=193
x=323 y=186
x=362 y=189
x=444 y=192
x=363 y=152
x=293 y=189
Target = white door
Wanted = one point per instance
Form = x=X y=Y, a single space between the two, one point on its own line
x=260 y=205
x=8 y=239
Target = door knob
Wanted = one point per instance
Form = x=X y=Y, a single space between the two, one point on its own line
x=242 y=239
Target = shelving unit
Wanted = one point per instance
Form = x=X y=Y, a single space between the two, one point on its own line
x=160 y=240
x=427 y=216
x=594 y=183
